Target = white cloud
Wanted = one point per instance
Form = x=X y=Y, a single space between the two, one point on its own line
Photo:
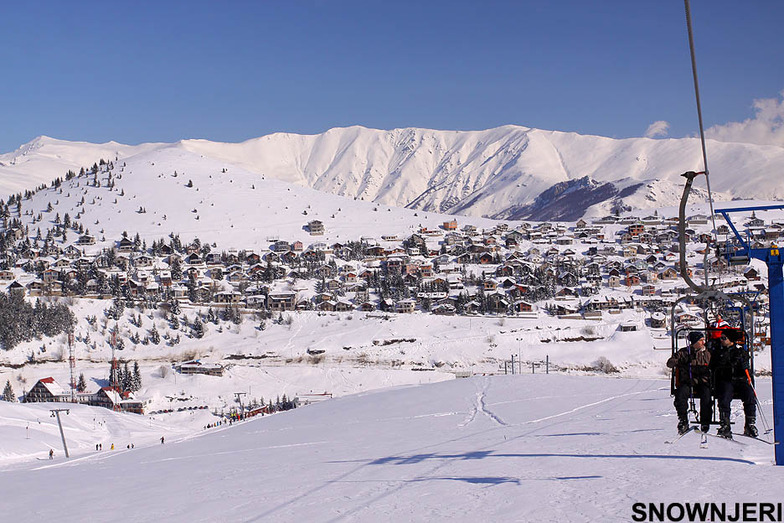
x=766 y=128
x=657 y=129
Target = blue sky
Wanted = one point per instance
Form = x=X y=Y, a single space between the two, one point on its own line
x=227 y=71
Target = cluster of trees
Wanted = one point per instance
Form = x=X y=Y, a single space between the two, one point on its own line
x=127 y=380
x=20 y=321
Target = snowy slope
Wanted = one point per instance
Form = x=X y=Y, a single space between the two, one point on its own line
x=494 y=173
x=45 y=158
x=514 y=448
x=230 y=206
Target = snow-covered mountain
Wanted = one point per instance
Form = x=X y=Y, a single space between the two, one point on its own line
x=508 y=172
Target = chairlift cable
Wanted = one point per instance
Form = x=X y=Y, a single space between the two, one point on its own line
x=699 y=110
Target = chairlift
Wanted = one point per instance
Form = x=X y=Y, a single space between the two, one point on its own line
x=734 y=308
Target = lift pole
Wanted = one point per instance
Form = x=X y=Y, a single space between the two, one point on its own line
x=773 y=258
x=56 y=413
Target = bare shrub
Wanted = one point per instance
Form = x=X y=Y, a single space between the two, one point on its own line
x=604 y=365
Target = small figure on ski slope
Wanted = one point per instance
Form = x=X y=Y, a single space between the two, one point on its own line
x=730 y=364
x=692 y=379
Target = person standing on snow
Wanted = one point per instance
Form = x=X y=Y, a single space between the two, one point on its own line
x=730 y=364
x=692 y=378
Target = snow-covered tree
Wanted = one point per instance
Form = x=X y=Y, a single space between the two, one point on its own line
x=8 y=392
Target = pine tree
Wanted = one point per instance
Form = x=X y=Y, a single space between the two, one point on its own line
x=174 y=307
x=8 y=392
x=81 y=385
x=136 y=382
x=155 y=338
x=198 y=328
x=126 y=382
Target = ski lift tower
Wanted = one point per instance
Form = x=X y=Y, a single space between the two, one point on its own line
x=741 y=254
x=72 y=365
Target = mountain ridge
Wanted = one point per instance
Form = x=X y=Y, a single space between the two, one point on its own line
x=508 y=172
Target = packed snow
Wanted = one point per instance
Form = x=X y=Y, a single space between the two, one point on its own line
x=541 y=447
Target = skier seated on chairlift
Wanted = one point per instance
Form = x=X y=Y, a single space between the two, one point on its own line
x=730 y=364
x=715 y=331
x=692 y=379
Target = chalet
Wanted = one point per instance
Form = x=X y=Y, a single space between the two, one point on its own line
x=50 y=275
x=281 y=246
x=125 y=245
x=497 y=302
x=332 y=285
x=697 y=219
x=47 y=389
x=227 y=297
x=522 y=306
x=486 y=258
x=107 y=397
x=198 y=367
x=178 y=292
x=632 y=279
x=144 y=260
x=316 y=227
x=212 y=258
x=751 y=274
x=450 y=225
x=343 y=305
x=648 y=290
x=6 y=275
x=394 y=265
x=281 y=301
x=405 y=306
x=566 y=292
x=636 y=228
x=83 y=263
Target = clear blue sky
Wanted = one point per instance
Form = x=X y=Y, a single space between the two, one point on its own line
x=164 y=70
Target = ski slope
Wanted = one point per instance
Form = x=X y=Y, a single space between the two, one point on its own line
x=507 y=448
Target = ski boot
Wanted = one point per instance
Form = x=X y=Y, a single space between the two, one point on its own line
x=724 y=428
x=683 y=425
x=750 y=429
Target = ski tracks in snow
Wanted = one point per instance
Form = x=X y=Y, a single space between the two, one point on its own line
x=480 y=407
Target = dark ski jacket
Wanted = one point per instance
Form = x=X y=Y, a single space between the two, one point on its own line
x=691 y=366
x=730 y=363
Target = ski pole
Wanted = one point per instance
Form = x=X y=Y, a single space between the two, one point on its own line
x=692 y=403
x=759 y=405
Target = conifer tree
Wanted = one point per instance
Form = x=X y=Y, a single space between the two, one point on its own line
x=81 y=385
x=8 y=392
x=126 y=378
x=198 y=328
x=155 y=337
x=136 y=381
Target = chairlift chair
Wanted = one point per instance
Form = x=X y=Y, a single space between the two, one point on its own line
x=735 y=308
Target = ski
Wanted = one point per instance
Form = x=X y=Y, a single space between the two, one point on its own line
x=756 y=438
x=679 y=436
x=703 y=440
x=721 y=438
